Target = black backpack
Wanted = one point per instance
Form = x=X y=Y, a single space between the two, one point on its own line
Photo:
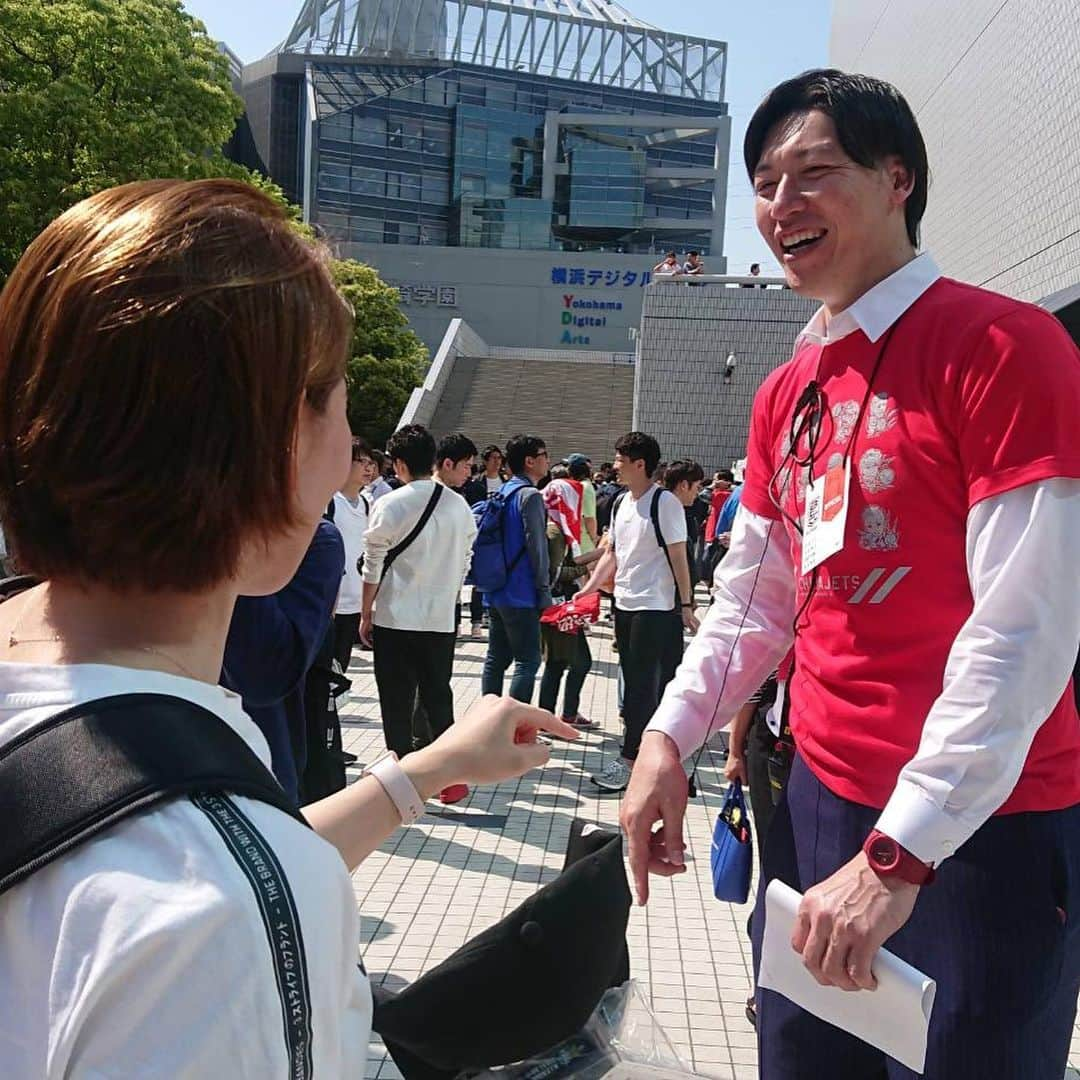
x=324 y=770
x=606 y=496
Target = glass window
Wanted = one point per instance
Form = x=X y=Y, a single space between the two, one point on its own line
x=435 y=188
x=369 y=130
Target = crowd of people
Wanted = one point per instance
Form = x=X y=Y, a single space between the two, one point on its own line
x=893 y=595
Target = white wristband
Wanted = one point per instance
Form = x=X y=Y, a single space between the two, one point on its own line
x=397 y=786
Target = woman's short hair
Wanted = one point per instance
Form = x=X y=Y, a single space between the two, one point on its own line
x=156 y=342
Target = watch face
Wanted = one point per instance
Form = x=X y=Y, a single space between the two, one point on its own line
x=885 y=853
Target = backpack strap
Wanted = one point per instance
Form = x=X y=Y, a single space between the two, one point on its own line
x=654 y=513
x=417 y=529
x=88 y=767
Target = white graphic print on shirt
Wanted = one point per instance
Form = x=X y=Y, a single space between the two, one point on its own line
x=876 y=473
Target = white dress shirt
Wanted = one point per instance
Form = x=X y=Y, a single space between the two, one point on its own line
x=421 y=589
x=1007 y=669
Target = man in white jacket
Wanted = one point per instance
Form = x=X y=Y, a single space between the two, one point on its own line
x=417 y=551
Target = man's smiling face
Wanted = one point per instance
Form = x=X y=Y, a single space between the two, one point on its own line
x=828 y=220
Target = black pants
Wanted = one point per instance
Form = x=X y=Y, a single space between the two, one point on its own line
x=575 y=669
x=759 y=745
x=408 y=663
x=346 y=635
x=650 y=649
x=476 y=607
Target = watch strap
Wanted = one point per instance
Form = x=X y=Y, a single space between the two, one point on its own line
x=397 y=785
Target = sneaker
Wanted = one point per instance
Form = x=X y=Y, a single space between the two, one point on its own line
x=615 y=777
x=580 y=722
x=476 y=630
x=453 y=794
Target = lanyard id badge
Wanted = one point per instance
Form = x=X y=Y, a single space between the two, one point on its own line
x=826 y=515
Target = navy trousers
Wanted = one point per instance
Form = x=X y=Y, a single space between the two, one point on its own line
x=999 y=930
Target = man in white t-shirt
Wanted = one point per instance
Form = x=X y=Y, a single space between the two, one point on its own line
x=653 y=597
x=349 y=512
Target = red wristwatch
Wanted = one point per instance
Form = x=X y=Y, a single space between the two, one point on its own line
x=889 y=859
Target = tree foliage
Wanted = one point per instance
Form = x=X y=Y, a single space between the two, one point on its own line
x=387 y=360
x=95 y=93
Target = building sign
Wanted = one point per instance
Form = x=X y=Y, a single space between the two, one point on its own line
x=595 y=279
x=581 y=313
x=439 y=295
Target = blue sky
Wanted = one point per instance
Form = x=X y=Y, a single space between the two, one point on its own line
x=767 y=41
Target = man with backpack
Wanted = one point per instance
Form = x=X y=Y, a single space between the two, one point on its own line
x=416 y=556
x=510 y=567
x=653 y=598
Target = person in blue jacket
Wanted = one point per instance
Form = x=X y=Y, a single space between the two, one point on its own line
x=515 y=610
x=273 y=641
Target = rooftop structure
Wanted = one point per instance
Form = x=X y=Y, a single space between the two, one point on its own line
x=595 y=41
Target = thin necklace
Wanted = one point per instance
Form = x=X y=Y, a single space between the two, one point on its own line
x=14 y=642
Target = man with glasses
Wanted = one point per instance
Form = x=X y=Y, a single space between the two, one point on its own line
x=515 y=609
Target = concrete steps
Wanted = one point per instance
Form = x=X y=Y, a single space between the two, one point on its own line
x=574 y=407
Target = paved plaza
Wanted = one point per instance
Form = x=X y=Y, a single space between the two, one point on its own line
x=433 y=886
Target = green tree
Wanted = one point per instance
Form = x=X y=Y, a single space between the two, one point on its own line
x=387 y=360
x=95 y=93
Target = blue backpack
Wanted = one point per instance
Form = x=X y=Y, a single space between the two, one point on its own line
x=491 y=569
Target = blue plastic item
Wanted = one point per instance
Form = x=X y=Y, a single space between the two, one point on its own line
x=732 y=854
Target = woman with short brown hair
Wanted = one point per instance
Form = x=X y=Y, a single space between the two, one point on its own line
x=172 y=425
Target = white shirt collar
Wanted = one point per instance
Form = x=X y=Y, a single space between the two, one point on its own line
x=878 y=308
x=30 y=692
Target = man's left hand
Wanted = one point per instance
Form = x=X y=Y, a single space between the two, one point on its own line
x=843 y=922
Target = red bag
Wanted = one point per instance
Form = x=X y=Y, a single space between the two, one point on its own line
x=570 y=616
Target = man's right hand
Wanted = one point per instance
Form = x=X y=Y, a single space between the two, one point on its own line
x=657 y=793
x=735 y=768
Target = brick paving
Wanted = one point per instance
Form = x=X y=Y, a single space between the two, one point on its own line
x=433 y=886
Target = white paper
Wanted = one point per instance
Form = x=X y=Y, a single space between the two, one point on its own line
x=895 y=1017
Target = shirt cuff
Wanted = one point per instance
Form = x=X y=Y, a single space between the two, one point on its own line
x=673 y=722
x=917 y=824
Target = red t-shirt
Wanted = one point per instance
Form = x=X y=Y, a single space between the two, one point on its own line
x=716 y=504
x=978 y=394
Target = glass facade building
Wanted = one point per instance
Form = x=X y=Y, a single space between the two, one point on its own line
x=455 y=156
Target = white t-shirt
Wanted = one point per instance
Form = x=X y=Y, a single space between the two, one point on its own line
x=643 y=579
x=144 y=952
x=494 y=483
x=352 y=521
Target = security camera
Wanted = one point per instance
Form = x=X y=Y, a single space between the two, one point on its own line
x=729 y=367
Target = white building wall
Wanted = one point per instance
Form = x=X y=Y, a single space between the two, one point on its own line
x=996 y=89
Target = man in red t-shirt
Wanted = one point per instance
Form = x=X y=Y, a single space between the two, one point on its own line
x=910 y=514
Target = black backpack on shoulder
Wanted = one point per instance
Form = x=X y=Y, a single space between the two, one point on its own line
x=88 y=767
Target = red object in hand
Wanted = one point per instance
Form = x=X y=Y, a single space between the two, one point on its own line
x=888 y=859
x=570 y=616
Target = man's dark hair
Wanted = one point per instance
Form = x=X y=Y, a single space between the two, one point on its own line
x=519 y=448
x=456 y=447
x=637 y=446
x=873 y=122
x=414 y=445
x=360 y=449
x=580 y=470
x=492 y=449
x=754 y=266
x=681 y=470
x=726 y=474
x=695 y=254
x=670 y=255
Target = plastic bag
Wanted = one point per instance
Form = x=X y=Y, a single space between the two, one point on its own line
x=621 y=1041
x=571 y=616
